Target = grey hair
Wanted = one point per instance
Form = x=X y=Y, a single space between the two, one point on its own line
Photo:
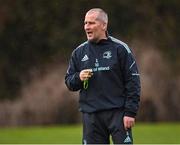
x=102 y=15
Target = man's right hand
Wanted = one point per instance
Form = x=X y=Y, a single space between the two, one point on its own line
x=85 y=74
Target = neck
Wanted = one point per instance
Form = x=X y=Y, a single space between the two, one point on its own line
x=104 y=37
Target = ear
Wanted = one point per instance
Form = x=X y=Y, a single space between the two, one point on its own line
x=104 y=26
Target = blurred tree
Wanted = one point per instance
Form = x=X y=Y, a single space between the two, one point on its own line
x=34 y=33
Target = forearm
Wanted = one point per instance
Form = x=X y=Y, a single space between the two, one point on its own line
x=73 y=82
x=132 y=96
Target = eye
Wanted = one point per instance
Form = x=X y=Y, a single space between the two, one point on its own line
x=89 y=23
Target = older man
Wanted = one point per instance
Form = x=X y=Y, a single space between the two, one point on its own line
x=104 y=70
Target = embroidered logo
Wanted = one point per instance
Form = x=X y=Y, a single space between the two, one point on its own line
x=84 y=142
x=96 y=63
x=85 y=58
x=107 y=54
x=127 y=139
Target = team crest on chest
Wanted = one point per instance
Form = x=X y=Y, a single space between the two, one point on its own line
x=107 y=54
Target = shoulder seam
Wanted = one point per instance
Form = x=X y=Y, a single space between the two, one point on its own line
x=82 y=44
x=121 y=42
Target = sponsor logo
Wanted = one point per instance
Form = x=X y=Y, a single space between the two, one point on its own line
x=84 y=142
x=85 y=58
x=127 y=139
x=101 y=69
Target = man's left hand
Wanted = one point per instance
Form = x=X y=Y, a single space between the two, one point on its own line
x=128 y=122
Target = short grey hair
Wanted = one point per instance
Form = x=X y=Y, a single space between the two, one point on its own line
x=102 y=15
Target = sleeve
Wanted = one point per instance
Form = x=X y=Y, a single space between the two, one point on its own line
x=131 y=81
x=72 y=79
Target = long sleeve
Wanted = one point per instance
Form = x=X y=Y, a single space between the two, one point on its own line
x=131 y=82
x=72 y=79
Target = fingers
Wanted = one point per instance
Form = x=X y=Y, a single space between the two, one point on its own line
x=128 y=122
x=85 y=74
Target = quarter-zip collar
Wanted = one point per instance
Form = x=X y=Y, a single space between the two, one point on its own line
x=101 y=42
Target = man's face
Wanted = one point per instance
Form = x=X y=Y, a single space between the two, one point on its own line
x=94 y=28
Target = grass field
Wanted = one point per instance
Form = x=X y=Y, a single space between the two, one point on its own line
x=164 y=133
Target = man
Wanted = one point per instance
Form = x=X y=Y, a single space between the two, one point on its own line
x=104 y=70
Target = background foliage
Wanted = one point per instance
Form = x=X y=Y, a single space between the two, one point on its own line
x=38 y=36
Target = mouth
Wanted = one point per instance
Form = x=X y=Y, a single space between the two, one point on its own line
x=89 y=33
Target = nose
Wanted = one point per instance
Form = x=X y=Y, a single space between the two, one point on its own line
x=86 y=27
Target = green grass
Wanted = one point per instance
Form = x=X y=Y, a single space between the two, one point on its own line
x=70 y=134
x=161 y=133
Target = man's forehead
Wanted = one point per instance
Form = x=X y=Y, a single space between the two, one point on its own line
x=92 y=15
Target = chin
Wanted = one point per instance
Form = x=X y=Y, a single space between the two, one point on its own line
x=92 y=40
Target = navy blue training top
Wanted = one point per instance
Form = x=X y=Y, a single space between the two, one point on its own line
x=115 y=82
